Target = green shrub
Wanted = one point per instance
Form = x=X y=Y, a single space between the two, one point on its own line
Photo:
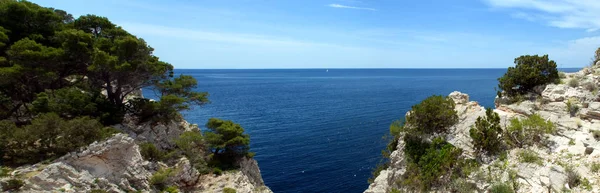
x=562 y=75
x=191 y=144
x=485 y=134
x=572 y=107
x=585 y=184
x=377 y=170
x=159 y=179
x=12 y=185
x=229 y=190
x=171 y=189
x=501 y=188
x=48 y=136
x=150 y=152
x=574 y=82
x=435 y=114
x=226 y=141
x=439 y=159
x=463 y=186
x=529 y=131
x=595 y=167
x=528 y=156
x=573 y=178
x=394 y=190
x=5 y=171
x=572 y=142
x=98 y=191
x=529 y=71
x=217 y=171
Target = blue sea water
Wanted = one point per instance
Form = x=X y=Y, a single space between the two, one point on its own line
x=319 y=131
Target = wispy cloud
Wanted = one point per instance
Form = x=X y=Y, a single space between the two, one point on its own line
x=350 y=7
x=558 y=13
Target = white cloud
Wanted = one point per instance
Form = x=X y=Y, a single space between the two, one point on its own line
x=558 y=13
x=350 y=7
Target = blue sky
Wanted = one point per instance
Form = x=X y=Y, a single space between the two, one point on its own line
x=354 y=33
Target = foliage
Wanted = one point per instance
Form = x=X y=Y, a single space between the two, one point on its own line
x=229 y=190
x=64 y=79
x=463 y=186
x=13 y=184
x=226 y=140
x=217 y=171
x=377 y=170
x=426 y=167
x=4 y=171
x=562 y=75
x=433 y=115
x=572 y=106
x=529 y=71
x=501 y=188
x=529 y=131
x=595 y=167
x=150 y=152
x=171 y=189
x=159 y=179
x=595 y=134
x=573 y=178
x=574 y=82
x=585 y=184
x=98 y=191
x=528 y=156
x=485 y=134
x=191 y=144
x=48 y=136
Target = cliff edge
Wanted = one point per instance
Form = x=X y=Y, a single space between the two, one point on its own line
x=572 y=153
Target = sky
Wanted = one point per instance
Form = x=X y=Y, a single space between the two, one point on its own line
x=249 y=34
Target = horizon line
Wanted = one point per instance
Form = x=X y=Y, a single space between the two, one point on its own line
x=457 y=68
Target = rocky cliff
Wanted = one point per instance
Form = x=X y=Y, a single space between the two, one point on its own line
x=116 y=165
x=574 y=149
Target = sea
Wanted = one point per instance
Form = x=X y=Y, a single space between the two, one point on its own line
x=321 y=130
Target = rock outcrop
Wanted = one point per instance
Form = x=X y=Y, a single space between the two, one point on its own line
x=116 y=165
x=573 y=149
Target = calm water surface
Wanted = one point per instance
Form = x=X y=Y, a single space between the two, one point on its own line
x=319 y=131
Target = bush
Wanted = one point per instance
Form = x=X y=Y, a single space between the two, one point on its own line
x=529 y=71
x=438 y=159
x=226 y=141
x=48 y=136
x=159 y=179
x=12 y=185
x=377 y=170
x=572 y=107
x=435 y=114
x=485 y=134
x=4 y=171
x=229 y=190
x=501 y=188
x=573 y=178
x=595 y=167
x=191 y=144
x=528 y=156
x=217 y=171
x=150 y=152
x=562 y=75
x=595 y=134
x=574 y=82
x=529 y=131
x=98 y=191
x=171 y=189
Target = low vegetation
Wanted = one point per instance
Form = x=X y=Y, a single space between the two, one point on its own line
x=572 y=106
x=529 y=131
x=486 y=134
x=229 y=190
x=528 y=156
x=160 y=178
x=433 y=115
x=574 y=82
x=501 y=188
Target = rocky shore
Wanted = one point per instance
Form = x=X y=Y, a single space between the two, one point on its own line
x=574 y=149
x=116 y=165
